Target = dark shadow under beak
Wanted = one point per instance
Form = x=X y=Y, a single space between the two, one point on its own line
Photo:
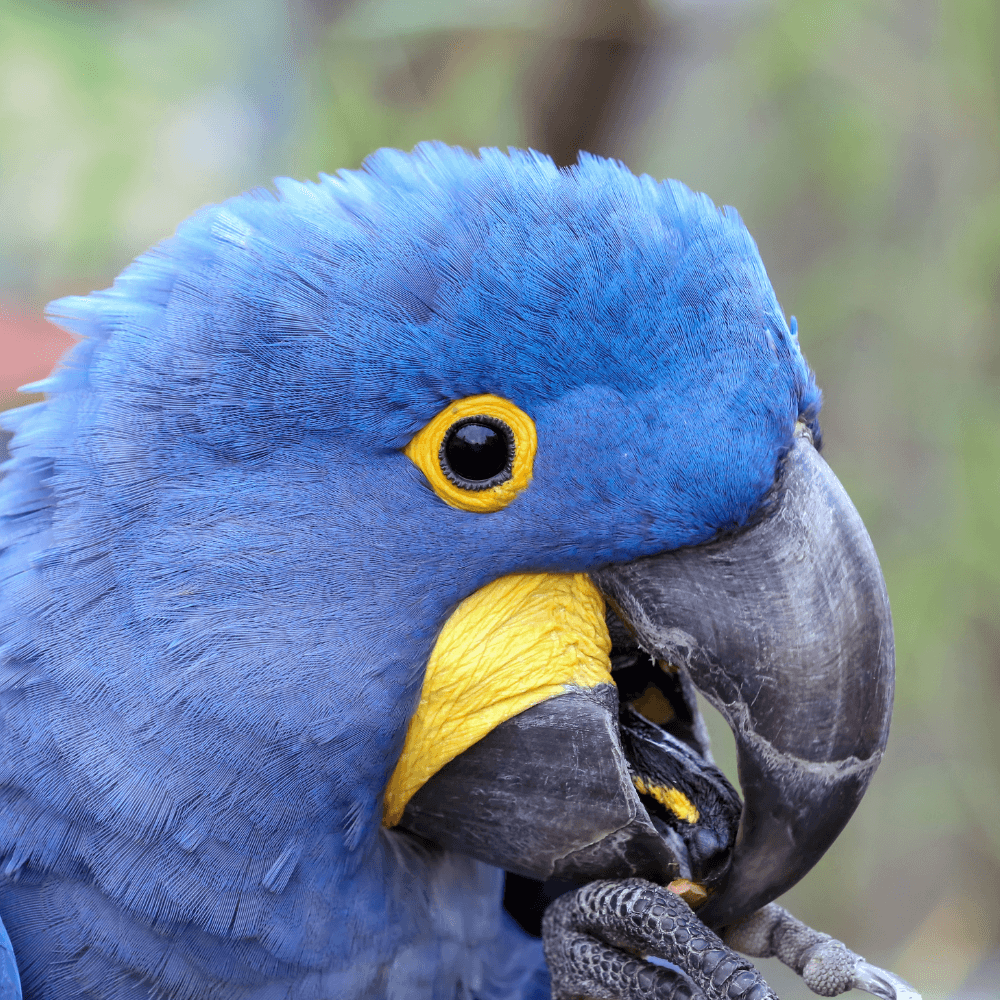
x=785 y=628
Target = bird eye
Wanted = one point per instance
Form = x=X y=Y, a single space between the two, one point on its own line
x=477 y=453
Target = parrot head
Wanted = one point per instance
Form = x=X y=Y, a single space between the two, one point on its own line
x=423 y=499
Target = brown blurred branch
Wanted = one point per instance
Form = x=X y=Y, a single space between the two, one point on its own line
x=588 y=84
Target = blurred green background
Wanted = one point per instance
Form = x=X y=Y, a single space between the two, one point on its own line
x=859 y=140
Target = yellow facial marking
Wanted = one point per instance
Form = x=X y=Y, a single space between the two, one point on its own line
x=670 y=798
x=514 y=643
x=425 y=451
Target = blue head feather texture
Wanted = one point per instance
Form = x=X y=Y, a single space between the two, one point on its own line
x=221 y=578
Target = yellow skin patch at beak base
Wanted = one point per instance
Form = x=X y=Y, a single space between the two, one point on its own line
x=670 y=798
x=512 y=644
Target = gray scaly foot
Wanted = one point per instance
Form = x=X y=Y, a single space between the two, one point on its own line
x=827 y=966
x=595 y=939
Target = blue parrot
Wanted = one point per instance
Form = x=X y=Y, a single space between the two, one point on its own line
x=303 y=452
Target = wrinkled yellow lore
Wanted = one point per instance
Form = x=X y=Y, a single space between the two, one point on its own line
x=514 y=643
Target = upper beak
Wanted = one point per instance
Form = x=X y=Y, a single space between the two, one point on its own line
x=785 y=627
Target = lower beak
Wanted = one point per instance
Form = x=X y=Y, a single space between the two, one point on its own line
x=785 y=628
x=547 y=794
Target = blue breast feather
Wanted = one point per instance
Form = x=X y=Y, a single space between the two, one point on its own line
x=220 y=578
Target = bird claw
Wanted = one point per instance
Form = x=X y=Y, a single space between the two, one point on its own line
x=880 y=983
x=827 y=966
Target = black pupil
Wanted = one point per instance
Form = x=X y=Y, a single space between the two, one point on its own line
x=477 y=452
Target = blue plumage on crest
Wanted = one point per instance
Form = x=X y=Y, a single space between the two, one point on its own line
x=221 y=577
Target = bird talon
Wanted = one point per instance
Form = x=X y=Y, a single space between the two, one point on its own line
x=827 y=966
x=880 y=983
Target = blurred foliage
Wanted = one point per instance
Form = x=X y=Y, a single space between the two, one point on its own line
x=860 y=139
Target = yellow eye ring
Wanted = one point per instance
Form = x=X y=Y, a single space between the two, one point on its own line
x=510 y=431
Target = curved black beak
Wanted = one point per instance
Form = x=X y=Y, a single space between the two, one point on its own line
x=785 y=628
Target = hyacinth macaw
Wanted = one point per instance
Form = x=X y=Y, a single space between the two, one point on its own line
x=372 y=543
